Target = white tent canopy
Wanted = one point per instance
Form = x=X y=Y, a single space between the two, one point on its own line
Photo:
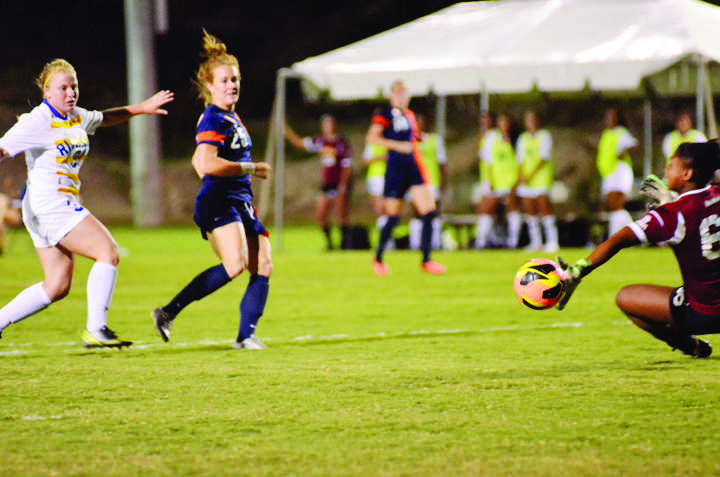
x=518 y=45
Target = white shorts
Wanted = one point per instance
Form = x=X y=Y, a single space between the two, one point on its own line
x=49 y=218
x=375 y=186
x=621 y=180
x=527 y=192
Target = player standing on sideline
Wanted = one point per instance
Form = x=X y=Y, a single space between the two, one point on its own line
x=223 y=208
x=615 y=167
x=434 y=157
x=682 y=133
x=534 y=149
x=335 y=156
x=394 y=128
x=54 y=138
x=689 y=224
x=502 y=172
x=374 y=157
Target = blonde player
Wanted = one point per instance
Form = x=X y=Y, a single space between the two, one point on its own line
x=54 y=138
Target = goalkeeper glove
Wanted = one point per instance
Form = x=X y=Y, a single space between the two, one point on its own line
x=653 y=188
x=573 y=274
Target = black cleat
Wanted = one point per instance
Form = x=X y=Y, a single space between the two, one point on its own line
x=697 y=348
x=163 y=323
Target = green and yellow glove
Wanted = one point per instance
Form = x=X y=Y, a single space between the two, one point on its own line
x=573 y=274
x=656 y=191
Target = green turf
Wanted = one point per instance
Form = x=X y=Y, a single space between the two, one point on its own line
x=406 y=375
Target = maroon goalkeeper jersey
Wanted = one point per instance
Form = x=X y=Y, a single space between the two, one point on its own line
x=691 y=226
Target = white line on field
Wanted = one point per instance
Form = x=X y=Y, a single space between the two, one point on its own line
x=307 y=338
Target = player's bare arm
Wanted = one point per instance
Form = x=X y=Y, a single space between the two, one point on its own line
x=152 y=105
x=3 y=154
x=207 y=162
x=374 y=137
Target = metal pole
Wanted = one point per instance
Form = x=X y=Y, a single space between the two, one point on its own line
x=647 y=139
x=484 y=99
x=441 y=116
x=700 y=95
x=279 y=181
x=146 y=182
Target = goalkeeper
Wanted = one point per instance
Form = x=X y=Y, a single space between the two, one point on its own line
x=687 y=217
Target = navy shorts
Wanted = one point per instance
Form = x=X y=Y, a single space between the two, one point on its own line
x=688 y=320
x=210 y=214
x=330 y=190
x=400 y=176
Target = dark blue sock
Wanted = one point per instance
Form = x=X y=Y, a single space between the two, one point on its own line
x=252 y=305
x=426 y=235
x=200 y=286
x=385 y=235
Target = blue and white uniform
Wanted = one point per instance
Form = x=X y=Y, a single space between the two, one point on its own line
x=55 y=148
x=224 y=200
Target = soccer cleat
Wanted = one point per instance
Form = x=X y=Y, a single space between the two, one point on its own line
x=249 y=343
x=433 y=268
x=103 y=338
x=701 y=349
x=380 y=268
x=163 y=323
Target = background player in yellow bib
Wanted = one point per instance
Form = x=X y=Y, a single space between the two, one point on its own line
x=534 y=149
x=374 y=158
x=615 y=168
x=500 y=172
x=54 y=138
x=683 y=132
x=432 y=150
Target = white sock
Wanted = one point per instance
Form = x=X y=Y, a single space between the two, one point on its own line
x=100 y=287
x=551 y=232
x=514 y=225
x=437 y=234
x=380 y=222
x=533 y=224
x=482 y=230
x=617 y=220
x=415 y=227
x=26 y=303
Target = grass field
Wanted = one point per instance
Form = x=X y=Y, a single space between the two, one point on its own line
x=406 y=375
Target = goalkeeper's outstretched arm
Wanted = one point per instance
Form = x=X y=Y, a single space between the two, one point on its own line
x=623 y=238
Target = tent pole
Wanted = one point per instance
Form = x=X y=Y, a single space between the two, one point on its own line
x=711 y=121
x=484 y=99
x=699 y=95
x=441 y=116
x=647 y=138
x=279 y=179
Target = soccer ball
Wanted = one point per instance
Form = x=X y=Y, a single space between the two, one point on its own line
x=540 y=284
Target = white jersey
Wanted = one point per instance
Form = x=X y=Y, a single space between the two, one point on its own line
x=54 y=146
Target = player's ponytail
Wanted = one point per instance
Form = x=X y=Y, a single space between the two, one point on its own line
x=214 y=54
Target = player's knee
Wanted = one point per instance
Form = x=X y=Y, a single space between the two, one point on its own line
x=57 y=289
x=624 y=298
x=235 y=268
x=265 y=266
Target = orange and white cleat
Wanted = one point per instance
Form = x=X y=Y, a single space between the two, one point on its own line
x=380 y=268
x=433 y=268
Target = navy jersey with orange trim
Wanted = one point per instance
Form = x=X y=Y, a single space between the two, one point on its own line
x=398 y=125
x=225 y=130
